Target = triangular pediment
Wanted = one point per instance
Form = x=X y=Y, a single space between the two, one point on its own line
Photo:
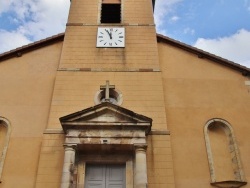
x=105 y=115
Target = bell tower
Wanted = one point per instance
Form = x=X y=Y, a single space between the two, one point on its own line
x=112 y=41
x=110 y=34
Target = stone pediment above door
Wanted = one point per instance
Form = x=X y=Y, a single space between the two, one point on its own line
x=106 y=116
x=106 y=134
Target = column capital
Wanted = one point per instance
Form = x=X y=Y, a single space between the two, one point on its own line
x=69 y=146
x=141 y=146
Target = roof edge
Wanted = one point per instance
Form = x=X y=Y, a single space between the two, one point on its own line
x=18 y=52
x=203 y=54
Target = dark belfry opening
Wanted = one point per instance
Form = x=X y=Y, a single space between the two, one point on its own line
x=111 y=13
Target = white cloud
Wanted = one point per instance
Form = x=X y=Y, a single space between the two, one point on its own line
x=37 y=19
x=11 y=40
x=247 y=4
x=174 y=18
x=189 y=31
x=5 y=5
x=235 y=47
x=162 y=9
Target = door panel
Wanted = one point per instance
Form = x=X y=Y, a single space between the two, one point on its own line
x=105 y=176
x=95 y=176
x=115 y=176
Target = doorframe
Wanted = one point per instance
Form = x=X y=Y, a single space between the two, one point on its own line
x=105 y=159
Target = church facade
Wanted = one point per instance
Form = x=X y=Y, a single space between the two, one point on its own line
x=112 y=104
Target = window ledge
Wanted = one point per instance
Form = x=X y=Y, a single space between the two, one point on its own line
x=229 y=184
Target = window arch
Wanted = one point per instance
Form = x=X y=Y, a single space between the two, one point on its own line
x=5 y=130
x=223 y=155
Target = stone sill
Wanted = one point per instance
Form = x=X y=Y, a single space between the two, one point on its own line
x=229 y=184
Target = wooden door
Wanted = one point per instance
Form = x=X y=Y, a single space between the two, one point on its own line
x=105 y=176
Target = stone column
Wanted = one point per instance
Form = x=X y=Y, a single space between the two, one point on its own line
x=68 y=166
x=141 y=180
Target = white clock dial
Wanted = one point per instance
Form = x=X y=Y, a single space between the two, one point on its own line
x=110 y=37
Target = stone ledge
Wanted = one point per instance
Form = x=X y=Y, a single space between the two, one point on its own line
x=109 y=69
x=159 y=132
x=115 y=25
x=53 y=131
x=152 y=132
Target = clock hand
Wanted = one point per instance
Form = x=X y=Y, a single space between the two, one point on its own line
x=110 y=35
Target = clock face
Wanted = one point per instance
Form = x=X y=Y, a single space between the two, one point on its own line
x=110 y=37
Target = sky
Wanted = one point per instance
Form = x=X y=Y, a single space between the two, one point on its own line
x=221 y=27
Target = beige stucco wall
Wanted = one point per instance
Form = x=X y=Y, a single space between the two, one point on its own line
x=26 y=90
x=75 y=90
x=160 y=162
x=49 y=169
x=197 y=90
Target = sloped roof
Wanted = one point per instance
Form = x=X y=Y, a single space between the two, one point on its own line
x=203 y=54
x=18 y=52
x=160 y=38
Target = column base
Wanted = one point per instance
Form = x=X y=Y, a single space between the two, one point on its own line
x=141 y=185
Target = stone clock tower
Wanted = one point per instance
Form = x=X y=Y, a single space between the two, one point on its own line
x=84 y=47
x=112 y=42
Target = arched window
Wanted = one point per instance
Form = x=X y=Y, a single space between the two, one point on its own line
x=223 y=155
x=4 y=141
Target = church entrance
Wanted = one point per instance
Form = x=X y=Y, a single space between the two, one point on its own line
x=105 y=176
x=98 y=141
